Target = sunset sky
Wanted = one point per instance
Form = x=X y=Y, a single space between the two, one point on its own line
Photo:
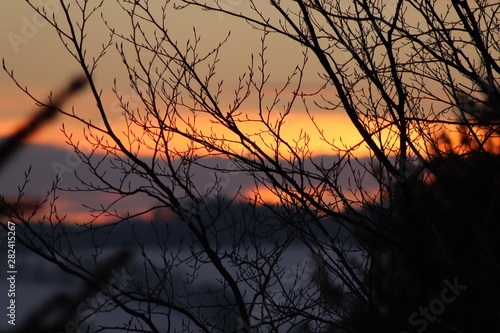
x=31 y=48
x=33 y=51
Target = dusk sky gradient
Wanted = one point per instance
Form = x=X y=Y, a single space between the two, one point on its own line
x=32 y=49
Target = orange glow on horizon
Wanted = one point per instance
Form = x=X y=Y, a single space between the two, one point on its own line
x=299 y=130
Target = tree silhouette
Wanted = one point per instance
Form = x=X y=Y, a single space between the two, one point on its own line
x=442 y=275
x=408 y=229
